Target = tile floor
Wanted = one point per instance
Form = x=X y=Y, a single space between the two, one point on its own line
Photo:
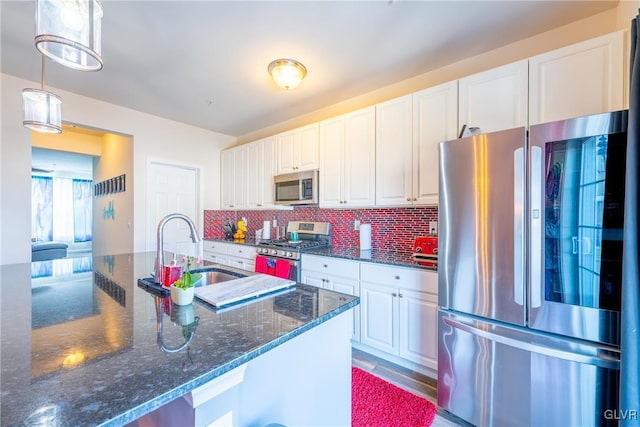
x=409 y=380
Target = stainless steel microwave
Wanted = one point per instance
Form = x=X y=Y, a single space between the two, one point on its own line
x=298 y=188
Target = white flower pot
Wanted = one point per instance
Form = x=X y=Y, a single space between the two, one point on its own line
x=181 y=296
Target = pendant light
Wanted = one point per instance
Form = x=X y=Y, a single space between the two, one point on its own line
x=287 y=73
x=42 y=109
x=68 y=32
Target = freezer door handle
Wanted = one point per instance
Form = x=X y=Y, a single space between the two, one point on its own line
x=591 y=354
x=535 y=268
x=518 y=225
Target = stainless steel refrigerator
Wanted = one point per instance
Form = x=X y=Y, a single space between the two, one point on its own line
x=530 y=256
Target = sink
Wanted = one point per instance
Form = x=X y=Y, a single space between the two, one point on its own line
x=209 y=276
x=216 y=275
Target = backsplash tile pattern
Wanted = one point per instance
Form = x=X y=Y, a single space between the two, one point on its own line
x=392 y=229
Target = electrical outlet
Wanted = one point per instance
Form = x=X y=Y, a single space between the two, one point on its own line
x=433 y=227
x=356 y=224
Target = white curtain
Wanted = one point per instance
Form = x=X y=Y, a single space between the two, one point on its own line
x=52 y=209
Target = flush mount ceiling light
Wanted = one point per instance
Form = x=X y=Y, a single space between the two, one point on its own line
x=68 y=32
x=287 y=73
x=42 y=109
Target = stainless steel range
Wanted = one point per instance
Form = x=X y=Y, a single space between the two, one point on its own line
x=283 y=257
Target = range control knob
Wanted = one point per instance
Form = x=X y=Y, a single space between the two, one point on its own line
x=274 y=251
x=289 y=254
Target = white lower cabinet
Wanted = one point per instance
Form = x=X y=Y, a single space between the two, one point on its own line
x=242 y=256
x=334 y=274
x=231 y=254
x=215 y=251
x=398 y=312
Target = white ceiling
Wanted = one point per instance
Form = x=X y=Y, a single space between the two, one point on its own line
x=204 y=62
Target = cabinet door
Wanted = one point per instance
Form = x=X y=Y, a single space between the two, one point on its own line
x=313 y=278
x=577 y=80
x=435 y=119
x=240 y=177
x=394 y=148
x=254 y=166
x=268 y=170
x=306 y=149
x=359 y=158
x=495 y=99
x=331 y=162
x=226 y=160
x=418 y=327
x=378 y=314
x=215 y=257
x=233 y=177
x=349 y=287
x=285 y=152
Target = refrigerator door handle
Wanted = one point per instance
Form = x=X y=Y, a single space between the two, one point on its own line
x=590 y=354
x=535 y=268
x=518 y=225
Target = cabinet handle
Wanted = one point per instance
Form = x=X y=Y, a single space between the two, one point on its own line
x=408 y=199
x=345 y=202
x=397 y=277
x=259 y=204
x=394 y=295
x=325 y=265
x=415 y=199
x=240 y=251
x=400 y=295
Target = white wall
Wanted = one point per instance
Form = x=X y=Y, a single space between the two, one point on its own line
x=153 y=138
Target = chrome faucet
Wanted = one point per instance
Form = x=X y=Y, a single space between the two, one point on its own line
x=159 y=270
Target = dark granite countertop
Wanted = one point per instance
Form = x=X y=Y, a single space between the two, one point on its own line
x=400 y=259
x=80 y=343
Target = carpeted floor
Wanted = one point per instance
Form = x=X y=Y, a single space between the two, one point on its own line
x=377 y=403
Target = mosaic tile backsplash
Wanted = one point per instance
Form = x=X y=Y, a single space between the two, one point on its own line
x=392 y=229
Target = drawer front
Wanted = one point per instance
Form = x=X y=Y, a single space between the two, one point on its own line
x=242 y=251
x=333 y=266
x=400 y=277
x=215 y=246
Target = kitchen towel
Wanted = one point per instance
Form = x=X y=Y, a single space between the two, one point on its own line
x=365 y=237
x=266 y=230
x=261 y=264
x=283 y=268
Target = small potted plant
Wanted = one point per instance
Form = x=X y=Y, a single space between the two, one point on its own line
x=182 y=290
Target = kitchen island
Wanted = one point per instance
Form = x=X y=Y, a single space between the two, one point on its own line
x=81 y=346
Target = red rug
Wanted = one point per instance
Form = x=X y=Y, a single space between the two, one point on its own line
x=377 y=403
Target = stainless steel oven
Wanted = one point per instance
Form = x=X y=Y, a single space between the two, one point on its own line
x=282 y=257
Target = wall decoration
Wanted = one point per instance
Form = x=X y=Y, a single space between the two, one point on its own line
x=109 y=211
x=113 y=185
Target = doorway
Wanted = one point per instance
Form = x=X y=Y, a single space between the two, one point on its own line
x=172 y=189
x=61 y=199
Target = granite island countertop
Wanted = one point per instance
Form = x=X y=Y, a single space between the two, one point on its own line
x=79 y=341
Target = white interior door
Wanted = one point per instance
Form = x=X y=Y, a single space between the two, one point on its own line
x=173 y=189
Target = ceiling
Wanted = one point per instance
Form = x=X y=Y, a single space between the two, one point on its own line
x=204 y=63
x=46 y=162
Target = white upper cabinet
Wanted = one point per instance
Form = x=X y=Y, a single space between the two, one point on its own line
x=408 y=132
x=495 y=99
x=259 y=173
x=347 y=160
x=394 y=152
x=247 y=175
x=435 y=119
x=577 y=80
x=297 y=150
x=234 y=167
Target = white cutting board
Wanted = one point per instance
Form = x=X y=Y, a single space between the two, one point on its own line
x=232 y=291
